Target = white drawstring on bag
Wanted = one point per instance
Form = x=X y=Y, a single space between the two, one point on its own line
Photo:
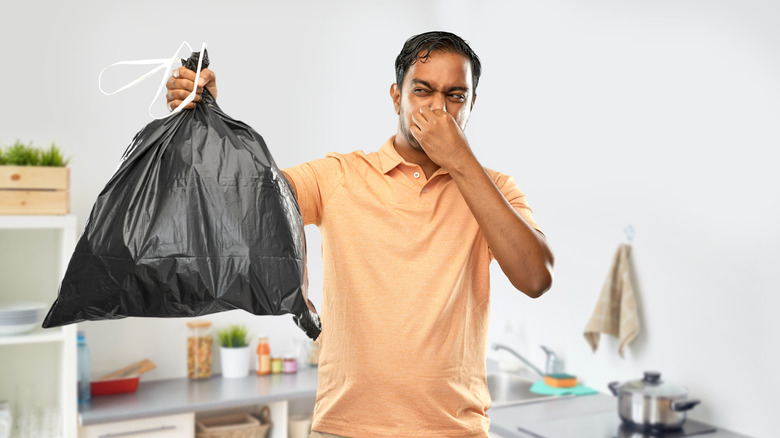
x=165 y=63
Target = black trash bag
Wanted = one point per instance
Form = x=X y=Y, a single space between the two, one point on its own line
x=197 y=219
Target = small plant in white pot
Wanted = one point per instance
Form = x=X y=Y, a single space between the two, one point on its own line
x=234 y=351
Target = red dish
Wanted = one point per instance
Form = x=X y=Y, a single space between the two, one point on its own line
x=114 y=386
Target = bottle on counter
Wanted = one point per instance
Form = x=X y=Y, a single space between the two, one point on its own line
x=263 y=355
x=83 y=369
x=199 y=350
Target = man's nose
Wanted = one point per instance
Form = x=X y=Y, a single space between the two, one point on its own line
x=439 y=101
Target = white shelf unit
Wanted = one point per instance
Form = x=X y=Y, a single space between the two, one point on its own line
x=38 y=367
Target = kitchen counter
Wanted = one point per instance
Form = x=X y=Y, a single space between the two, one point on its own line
x=175 y=396
x=505 y=420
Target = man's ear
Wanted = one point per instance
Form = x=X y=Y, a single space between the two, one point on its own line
x=395 y=94
x=473 y=99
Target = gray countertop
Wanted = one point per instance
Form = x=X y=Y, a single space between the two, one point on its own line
x=506 y=420
x=175 y=396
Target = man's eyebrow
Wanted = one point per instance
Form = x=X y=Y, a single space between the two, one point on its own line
x=421 y=82
x=426 y=84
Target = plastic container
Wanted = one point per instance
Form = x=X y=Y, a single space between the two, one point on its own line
x=83 y=390
x=199 y=350
x=263 y=355
x=122 y=385
x=289 y=364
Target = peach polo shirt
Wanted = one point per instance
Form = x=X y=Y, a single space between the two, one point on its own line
x=405 y=296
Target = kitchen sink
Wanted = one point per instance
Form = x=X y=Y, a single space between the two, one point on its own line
x=511 y=389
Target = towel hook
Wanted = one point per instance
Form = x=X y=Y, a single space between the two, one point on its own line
x=629 y=233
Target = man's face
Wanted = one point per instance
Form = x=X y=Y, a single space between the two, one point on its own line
x=442 y=82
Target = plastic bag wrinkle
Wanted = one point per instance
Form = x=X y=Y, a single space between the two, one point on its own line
x=197 y=219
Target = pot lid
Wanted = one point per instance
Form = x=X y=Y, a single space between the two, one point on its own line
x=651 y=385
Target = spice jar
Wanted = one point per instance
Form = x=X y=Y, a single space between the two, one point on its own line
x=289 y=364
x=276 y=365
x=199 y=349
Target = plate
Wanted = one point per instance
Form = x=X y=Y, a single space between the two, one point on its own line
x=17 y=329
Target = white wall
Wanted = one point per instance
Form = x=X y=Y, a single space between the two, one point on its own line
x=662 y=115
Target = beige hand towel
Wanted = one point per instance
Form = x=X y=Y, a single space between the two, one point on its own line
x=615 y=312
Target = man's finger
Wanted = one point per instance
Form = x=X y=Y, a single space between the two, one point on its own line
x=416 y=120
x=174 y=103
x=207 y=75
x=184 y=73
x=179 y=84
x=423 y=117
x=177 y=94
x=415 y=131
x=425 y=112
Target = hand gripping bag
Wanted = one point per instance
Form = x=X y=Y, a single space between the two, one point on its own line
x=197 y=219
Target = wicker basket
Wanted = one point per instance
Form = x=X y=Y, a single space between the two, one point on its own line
x=234 y=426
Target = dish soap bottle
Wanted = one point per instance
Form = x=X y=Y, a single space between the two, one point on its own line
x=83 y=371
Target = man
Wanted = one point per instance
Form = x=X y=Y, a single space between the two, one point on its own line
x=408 y=233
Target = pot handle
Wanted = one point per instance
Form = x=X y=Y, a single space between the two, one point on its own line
x=683 y=405
x=613 y=386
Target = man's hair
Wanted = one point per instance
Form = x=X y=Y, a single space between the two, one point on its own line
x=420 y=47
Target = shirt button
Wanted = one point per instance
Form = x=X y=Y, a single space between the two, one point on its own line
x=416 y=174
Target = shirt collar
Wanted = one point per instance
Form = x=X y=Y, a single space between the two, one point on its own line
x=389 y=158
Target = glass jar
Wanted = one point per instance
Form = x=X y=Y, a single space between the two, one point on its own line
x=199 y=349
x=289 y=364
x=276 y=365
x=314 y=353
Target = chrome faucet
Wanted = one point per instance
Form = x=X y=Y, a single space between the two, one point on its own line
x=517 y=355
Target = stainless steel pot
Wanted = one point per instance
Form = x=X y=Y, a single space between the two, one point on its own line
x=650 y=404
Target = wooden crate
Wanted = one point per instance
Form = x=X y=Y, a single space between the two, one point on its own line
x=34 y=190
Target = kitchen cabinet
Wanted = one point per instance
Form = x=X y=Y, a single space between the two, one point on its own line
x=38 y=369
x=167 y=426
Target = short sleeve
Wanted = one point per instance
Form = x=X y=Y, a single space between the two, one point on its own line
x=516 y=198
x=315 y=181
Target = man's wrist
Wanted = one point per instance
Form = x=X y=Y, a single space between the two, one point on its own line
x=466 y=167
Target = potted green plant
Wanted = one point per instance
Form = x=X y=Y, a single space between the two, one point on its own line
x=234 y=350
x=33 y=180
